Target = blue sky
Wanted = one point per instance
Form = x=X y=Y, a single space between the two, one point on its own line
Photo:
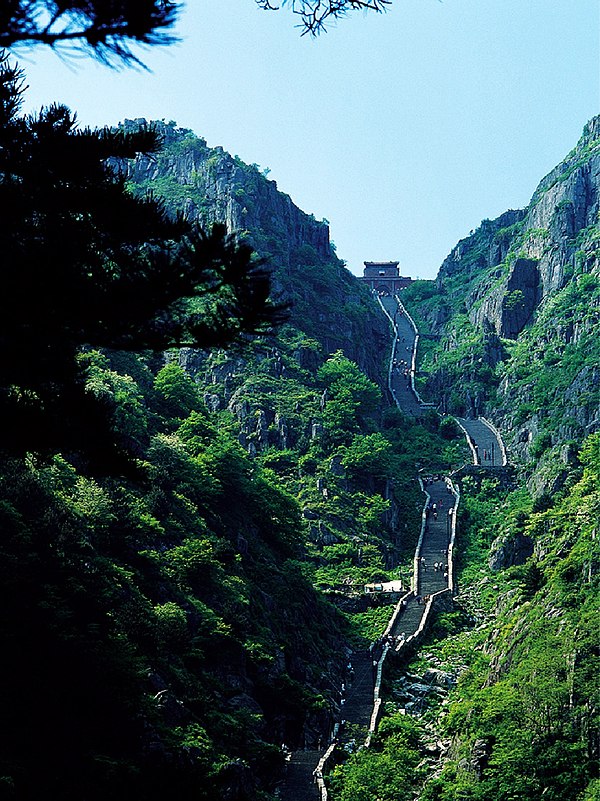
x=404 y=129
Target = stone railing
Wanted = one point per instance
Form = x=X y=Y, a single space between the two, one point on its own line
x=417 y=559
x=438 y=598
x=394 y=344
x=319 y=771
x=456 y=493
x=469 y=439
x=435 y=599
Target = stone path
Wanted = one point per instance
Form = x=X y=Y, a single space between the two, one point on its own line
x=434 y=548
x=359 y=702
x=405 y=342
x=485 y=443
x=299 y=782
x=356 y=712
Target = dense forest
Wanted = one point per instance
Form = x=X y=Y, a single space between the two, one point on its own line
x=201 y=467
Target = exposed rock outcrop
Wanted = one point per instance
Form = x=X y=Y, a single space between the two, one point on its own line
x=530 y=276
x=326 y=301
x=511 y=551
x=510 y=307
x=547 y=238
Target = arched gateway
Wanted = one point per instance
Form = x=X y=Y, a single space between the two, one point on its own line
x=384 y=276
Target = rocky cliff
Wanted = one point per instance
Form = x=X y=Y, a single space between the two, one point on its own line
x=515 y=313
x=208 y=184
x=211 y=185
x=513 y=264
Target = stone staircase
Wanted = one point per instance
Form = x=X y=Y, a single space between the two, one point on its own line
x=400 y=385
x=299 y=784
x=436 y=539
x=359 y=695
x=488 y=449
x=358 y=707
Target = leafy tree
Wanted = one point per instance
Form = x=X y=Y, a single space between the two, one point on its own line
x=389 y=770
x=350 y=396
x=179 y=393
x=368 y=454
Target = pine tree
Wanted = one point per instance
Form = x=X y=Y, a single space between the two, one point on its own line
x=84 y=263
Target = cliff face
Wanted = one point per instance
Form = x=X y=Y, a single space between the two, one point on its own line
x=516 y=311
x=208 y=184
x=511 y=265
x=211 y=185
x=563 y=214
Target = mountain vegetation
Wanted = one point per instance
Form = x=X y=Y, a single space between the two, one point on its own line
x=510 y=330
x=186 y=531
x=200 y=469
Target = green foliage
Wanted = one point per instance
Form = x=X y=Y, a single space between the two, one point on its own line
x=513 y=300
x=541 y=443
x=94 y=266
x=135 y=594
x=177 y=390
x=529 y=702
x=367 y=627
x=343 y=377
x=367 y=455
x=100 y=28
x=389 y=770
x=171 y=625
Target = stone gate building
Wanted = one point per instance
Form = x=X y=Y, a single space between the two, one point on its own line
x=384 y=276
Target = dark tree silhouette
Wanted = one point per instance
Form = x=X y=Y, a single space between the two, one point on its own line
x=85 y=263
x=316 y=14
x=105 y=27
x=108 y=28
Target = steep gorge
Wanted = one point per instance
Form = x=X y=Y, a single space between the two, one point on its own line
x=521 y=285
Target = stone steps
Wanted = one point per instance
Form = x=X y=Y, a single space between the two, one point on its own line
x=486 y=441
x=299 y=784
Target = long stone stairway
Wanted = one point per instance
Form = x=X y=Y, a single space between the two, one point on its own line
x=356 y=711
x=402 y=362
x=436 y=540
x=432 y=572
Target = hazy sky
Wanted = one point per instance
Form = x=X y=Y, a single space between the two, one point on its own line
x=404 y=129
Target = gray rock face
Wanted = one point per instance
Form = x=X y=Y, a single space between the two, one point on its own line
x=509 y=552
x=510 y=306
x=487 y=249
x=217 y=187
x=440 y=678
x=514 y=277
x=326 y=301
x=566 y=202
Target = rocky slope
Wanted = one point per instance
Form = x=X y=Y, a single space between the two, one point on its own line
x=513 y=264
x=208 y=184
x=516 y=310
